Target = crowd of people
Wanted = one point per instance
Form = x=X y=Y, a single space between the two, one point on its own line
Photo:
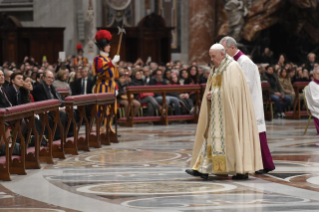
x=70 y=76
x=33 y=81
x=281 y=75
x=72 y=72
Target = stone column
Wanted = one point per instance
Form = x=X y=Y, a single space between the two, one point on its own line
x=90 y=11
x=201 y=29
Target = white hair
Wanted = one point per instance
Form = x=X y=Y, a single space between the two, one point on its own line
x=7 y=72
x=205 y=68
x=229 y=41
x=222 y=51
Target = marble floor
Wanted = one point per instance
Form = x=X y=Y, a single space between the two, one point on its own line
x=146 y=172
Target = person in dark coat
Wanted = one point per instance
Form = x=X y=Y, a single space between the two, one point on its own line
x=45 y=91
x=276 y=92
x=85 y=84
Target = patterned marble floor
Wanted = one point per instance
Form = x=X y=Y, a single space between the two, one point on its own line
x=145 y=172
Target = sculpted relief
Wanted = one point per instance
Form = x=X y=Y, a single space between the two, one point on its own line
x=236 y=11
x=246 y=18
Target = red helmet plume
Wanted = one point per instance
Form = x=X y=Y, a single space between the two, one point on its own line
x=103 y=34
x=79 y=46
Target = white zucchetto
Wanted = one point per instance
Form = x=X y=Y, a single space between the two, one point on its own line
x=217 y=46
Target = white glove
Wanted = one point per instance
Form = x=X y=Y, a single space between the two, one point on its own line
x=116 y=59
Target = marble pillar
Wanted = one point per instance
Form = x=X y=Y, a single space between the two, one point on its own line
x=201 y=29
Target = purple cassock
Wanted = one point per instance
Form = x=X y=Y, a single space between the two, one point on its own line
x=265 y=153
x=314 y=118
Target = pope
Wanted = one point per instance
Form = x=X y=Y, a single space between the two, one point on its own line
x=226 y=140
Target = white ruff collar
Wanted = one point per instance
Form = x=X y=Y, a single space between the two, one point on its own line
x=104 y=53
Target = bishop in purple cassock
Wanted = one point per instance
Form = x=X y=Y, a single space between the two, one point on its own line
x=253 y=80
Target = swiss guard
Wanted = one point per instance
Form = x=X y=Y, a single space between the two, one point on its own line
x=80 y=60
x=106 y=72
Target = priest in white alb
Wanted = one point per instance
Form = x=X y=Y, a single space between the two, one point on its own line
x=312 y=97
x=252 y=77
x=226 y=139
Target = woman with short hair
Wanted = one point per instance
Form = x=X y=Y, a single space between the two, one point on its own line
x=60 y=82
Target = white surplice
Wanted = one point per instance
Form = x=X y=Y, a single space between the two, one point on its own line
x=312 y=97
x=252 y=77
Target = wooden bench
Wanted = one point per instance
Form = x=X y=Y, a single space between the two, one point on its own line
x=38 y=153
x=265 y=86
x=297 y=113
x=64 y=92
x=164 y=118
x=9 y=163
x=55 y=149
x=79 y=142
x=32 y=156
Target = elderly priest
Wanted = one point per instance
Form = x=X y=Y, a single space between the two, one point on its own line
x=312 y=97
x=226 y=139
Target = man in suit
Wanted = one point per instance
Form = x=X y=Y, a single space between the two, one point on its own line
x=44 y=91
x=7 y=76
x=147 y=74
x=309 y=65
x=85 y=84
x=13 y=90
x=82 y=86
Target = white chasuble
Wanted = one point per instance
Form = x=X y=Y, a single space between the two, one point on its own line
x=227 y=139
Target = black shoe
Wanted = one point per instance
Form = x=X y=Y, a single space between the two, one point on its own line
x=263 y=171
x=193 y=172
x=240 y=177
x=196 y=173
x=204 y=176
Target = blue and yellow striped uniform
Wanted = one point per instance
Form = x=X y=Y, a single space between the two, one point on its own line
x=79 y=59
x=106 y=75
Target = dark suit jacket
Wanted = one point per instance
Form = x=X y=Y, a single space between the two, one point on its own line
x=147 y=79
x=3 y=102
x=5 y=84
x=12 y=95
x=77 y=86
x=41 y=92
x=309 y=66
